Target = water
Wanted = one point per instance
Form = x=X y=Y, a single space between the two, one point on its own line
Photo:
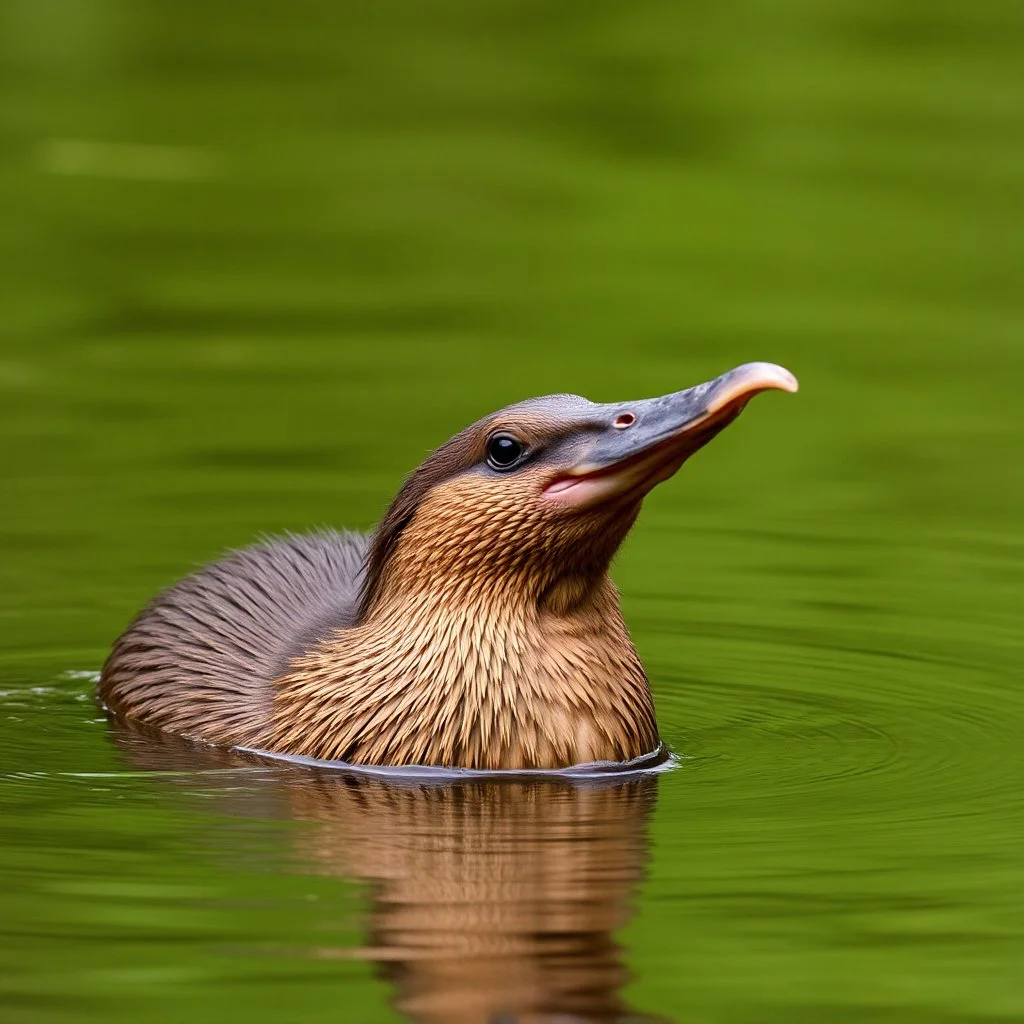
x=257 y=261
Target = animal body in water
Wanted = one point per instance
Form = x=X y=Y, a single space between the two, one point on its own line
x=477 y=627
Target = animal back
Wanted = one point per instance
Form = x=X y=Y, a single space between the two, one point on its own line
x=201 y=658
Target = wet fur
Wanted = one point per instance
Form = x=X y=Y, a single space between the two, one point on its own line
x=477 y=628
x=476 y=654
x=262 y=649
x=202 y=657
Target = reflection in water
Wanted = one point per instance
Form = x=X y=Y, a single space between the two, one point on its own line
x=492 y=901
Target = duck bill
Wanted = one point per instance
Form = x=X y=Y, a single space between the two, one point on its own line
x=642 y=443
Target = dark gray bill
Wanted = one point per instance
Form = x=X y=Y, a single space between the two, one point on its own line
x=646 y=441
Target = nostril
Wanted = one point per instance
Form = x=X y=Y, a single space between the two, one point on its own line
x=623 y=420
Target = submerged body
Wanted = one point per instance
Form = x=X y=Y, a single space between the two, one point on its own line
x=477 y=627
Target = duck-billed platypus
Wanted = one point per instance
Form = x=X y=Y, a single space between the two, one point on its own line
x=477 y=627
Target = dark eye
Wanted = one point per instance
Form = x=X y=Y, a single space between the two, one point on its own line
x=504 y=452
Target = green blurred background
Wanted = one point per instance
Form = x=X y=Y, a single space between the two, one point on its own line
x=258 y=258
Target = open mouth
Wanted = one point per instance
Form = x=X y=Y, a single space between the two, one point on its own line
x=630 y=469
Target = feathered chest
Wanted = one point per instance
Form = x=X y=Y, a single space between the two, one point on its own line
x=487 y=684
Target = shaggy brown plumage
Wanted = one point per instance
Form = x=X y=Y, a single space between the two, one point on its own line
x=200 y=659
x=476 y=628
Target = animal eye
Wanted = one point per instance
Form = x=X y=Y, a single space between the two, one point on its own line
x=504 y=452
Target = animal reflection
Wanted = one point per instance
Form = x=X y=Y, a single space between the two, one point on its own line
x=493 y=902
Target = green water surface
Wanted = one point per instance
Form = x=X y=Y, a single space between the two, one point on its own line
x=258 y=258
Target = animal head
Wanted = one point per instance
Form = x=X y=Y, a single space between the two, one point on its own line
x=535 y=499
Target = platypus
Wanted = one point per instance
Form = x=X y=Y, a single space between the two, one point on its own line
x=476 y=627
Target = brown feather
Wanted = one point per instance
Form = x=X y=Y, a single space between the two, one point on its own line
x=201 y=658
x=477 y=628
